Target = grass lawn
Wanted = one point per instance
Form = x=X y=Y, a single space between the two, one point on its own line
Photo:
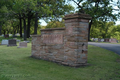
x=16 y=64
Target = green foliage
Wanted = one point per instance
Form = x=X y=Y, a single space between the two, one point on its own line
x=27 y=10
x=115 y=32
x=55 y=24
x=100 y=10
x=102 y=29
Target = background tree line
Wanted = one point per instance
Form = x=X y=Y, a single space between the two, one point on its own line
x=23 y=15
x=101 y=29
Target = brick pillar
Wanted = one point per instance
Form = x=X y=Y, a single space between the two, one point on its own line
x=76 y=39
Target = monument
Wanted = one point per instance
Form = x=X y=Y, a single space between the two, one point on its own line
x=67 y=46
x=12 y=42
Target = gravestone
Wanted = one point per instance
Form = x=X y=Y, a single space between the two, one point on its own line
x=12 y=42
x=18 y=40
x=10 y=34
x=102 y=40
x=6 y=36
x=99 y=40
x=96 y=39
x=4 y=42
x=14 y=36
x=27 y=41
x=22 y=44
x=113 y=40
x=93 y=39
x=106 y=40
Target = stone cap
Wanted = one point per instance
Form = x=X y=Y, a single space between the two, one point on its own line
x=77 y=15
x=50 y=29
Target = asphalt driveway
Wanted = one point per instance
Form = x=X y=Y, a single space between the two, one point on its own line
x=112 y=47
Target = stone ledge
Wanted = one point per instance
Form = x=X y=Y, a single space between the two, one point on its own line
x=78 y=15
x=50 y=29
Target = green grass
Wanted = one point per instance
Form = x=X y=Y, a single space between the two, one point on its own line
x=108 y=42
x=16 y=64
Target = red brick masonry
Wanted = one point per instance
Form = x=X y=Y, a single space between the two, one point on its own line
x=67 y=46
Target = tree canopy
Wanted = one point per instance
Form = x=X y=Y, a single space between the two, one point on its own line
x=101 y=10
x=31 y=10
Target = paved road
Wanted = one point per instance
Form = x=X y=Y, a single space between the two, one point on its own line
x=112 y=47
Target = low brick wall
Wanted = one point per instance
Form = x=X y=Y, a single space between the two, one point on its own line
x=49 y=45
x=67 y=46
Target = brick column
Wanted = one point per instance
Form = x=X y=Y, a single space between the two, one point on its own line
x=76 y=39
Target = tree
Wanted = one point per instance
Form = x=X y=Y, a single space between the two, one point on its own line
x=97 y=9
x=102 y=29
x=51 y=10
x=115 y=32
x=55 y=24
x=29 y=10
x=5 y=6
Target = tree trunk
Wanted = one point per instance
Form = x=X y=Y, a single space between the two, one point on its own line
x=4 y=32
x=14 y=32
x=7 y=31
x=20 y=27
x=0 y=30
x=28 y=27
x=25 y=35
x=89 y=30
x=36 y=23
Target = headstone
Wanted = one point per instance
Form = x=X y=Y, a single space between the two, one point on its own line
x=10 y=34
x=92 y=39
x=17 y=34
x=4 y=42
x=113 y=40
x=18 y=40
x=96 y=39
x=6 y=36
x=106 y=40
x=99 y=40
x=102 y=40
x=27 y=41
x=22 y=44
x=12 y=42
x=14 y=36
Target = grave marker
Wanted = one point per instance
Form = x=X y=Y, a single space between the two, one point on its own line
x=12 y=42
x=113 y=40
x=6 y=36
x=4 y=42
x=22 y=44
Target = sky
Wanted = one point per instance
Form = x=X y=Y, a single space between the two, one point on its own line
x=43 y=23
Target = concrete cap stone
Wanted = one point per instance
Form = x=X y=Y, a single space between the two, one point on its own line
x=77 y=15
